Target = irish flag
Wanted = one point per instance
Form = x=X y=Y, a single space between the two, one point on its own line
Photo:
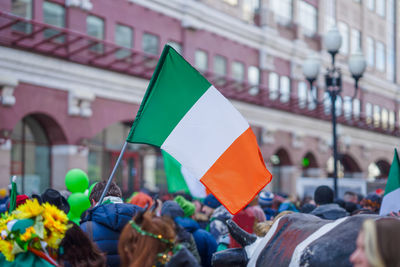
x=180 y=179
x=184 y=115
x=391 y=199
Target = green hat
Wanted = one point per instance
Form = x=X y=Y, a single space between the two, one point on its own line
x=187 y=206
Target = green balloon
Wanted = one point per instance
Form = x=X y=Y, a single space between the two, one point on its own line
x=74 y=218
x=78 y=203
x=76 y=181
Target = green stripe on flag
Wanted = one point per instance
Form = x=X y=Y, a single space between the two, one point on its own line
x=175 y=180
x=174 y=88
x=393 y=181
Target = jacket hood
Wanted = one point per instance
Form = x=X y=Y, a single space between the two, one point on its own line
x=329 y=211
x=114 y=215
x=187 y=223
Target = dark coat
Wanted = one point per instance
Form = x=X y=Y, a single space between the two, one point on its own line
x=205 y=242
x=108 y=220
x=329 y=211
x=183 y=258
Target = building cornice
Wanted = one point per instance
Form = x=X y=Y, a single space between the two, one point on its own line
x=63 y=75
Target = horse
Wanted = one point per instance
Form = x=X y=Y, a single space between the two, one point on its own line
x=295 y=239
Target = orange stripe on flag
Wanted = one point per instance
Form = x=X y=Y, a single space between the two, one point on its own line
x=238 y=174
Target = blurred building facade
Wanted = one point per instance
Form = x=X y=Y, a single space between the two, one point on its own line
x=73 y=73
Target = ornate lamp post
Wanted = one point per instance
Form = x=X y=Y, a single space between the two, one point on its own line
x=333 y=82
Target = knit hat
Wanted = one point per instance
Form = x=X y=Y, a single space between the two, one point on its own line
x=172 y=209
x=141 y=199
x=373 y=201
x=323 y=195
x=211 y=201
x=187 y=206
x=265 y=198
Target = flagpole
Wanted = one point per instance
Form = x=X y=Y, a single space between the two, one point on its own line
x=112 y=173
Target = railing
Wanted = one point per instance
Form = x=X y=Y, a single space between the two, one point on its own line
x=81 y=48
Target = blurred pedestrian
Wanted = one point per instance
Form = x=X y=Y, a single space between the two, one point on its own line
x=148 y=240
x=372 y=202
x=265 y=200
x=77 y=250
x=104 y=223
x=378 y=244
x=326 y=209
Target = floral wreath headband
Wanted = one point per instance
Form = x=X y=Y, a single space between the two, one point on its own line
x=143 y=232
x=163 y=257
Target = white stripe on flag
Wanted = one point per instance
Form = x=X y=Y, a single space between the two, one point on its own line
x=196 y=188
x=253 y=251
x=390 y=202
x=295 y=261
x=205 y=132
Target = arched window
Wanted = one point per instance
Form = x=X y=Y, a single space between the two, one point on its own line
x=30 y=156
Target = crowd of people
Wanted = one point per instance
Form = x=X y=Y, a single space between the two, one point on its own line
x=177 y=230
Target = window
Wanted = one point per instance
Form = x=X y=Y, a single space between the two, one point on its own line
x=380 y=7
x=371 y=4
x=219 y=66
x=302 y=94
x=344 y=31
x=22 y=8
x=124 y=38
x=238 y=71
x=201 y=60
x=273 y=84
x=356 y=108
x=177 y=46
x=377 y=115
x=308 y=18
x=283 y=10
x=391 y=120
x=30 y=156
x=311 y=96
x=231 y=2
x=285 y=89
x=327 y=103
x=368 y=113
x=347 y=107
x=250 y=8
x=339 y=106
x=95 y=28
x=380 y=56
x=253 y=77
x=370 y=51
x=150 y=44
x=355 y=40
x=385 y=118
x=330 y=14
x=53 y=14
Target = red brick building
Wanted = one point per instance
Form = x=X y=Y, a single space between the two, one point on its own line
x=73 y=73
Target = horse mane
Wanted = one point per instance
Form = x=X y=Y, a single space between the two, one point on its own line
x=137 y=250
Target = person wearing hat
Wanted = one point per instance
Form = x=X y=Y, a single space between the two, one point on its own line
x=265 y=200
x=218 y=215
x=205 y=242
x=173 y=210
x=54 y=197
x=372 y=202
x=104 y=223
x=326 y=209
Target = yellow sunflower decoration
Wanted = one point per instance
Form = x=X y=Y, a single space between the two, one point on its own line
x=32 y=226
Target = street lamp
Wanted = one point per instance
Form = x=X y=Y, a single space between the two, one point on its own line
x=333 y=82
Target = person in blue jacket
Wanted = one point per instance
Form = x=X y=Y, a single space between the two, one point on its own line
x=104 y=223
x=205 y=242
